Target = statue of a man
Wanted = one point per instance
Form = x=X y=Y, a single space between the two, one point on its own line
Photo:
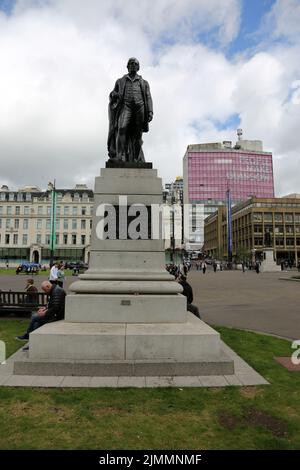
x=267 y=238
x=130 y=111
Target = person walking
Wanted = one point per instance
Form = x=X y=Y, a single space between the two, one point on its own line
x=204 y=266
x=53 y=273
x=60 y=274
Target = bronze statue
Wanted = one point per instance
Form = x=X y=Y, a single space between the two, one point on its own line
x=267 y=238
x=130 y=111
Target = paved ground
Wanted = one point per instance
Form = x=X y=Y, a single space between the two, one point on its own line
x=259 y=302
x=244 y=375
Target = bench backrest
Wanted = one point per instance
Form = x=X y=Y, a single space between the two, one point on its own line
x=15 y=299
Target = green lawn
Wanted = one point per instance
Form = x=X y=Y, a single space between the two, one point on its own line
x=260 y=417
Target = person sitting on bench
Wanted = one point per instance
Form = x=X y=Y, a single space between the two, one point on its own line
x=54 y=311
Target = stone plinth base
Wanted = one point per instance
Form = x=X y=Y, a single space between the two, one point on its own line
x=269 y=265
x=125 y=315
x=125 y=349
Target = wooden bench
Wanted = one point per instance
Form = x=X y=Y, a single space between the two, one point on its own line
x=17 y=302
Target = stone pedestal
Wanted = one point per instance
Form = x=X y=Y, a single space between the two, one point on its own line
x=125 y=315
x=268 y=264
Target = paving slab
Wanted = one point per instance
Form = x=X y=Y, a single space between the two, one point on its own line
x=19 y=381
x=47 y=381
x=213 y=381
x=138 y=382
x=104 y=382
x=76 y=382
x=251 y=379
x=233 y=380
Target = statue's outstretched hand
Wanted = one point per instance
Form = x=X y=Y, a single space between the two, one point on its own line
x=150 y=116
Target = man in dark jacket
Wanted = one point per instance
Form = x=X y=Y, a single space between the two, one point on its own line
x=130 y=111
x=54 y=311
x=188 y=293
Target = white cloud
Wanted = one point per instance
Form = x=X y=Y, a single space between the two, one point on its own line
x=283 y=20
x=59 y=60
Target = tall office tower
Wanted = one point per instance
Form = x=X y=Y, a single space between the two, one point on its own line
x=210 y=170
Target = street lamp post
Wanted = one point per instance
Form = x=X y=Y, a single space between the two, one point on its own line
x=51 y=187
x=229 y=227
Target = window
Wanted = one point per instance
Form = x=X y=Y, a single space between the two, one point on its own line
x=83 y=211
x=17 y=224
x=83 y=224
x=57 y=223
x=66 y=224
x=74 y=224
x=278 y=217
x=7 y=237
x=9 y=210
x=39 y=238
x=257 y=217
x=73 y=239
x=48 y=210
x=47 y=239
x=65 y=238
x=66 y=210
x=39 y=224
x=25 y=224
x=268 y=217
x=58 y=210
x=1 y=209
x=7 y=223
x=40 y=210
x=17 y=210
x=74 y=210
x=288 y=217
x=15 y=239
x=91 y=222
x=48 y=224
x=25 y=239
x=278 y=228
x=82 y=239
x=26 y=210
x=257 y=228
x=56 y=239
x=289 y=229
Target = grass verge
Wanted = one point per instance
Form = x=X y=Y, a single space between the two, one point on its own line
x=260 y=417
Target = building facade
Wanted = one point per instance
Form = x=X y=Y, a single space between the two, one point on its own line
x=173 y=220
x=26 y=225
x=251 y=220
x=209 y=170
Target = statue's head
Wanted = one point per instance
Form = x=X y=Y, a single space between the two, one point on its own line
x=133 y=65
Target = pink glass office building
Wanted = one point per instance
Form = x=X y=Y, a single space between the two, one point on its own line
x=246 y=174
x=209 y=170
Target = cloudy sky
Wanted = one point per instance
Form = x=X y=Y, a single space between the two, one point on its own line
x=212 y=66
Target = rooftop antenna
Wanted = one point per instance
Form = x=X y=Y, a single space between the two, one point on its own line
x=239 y=133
